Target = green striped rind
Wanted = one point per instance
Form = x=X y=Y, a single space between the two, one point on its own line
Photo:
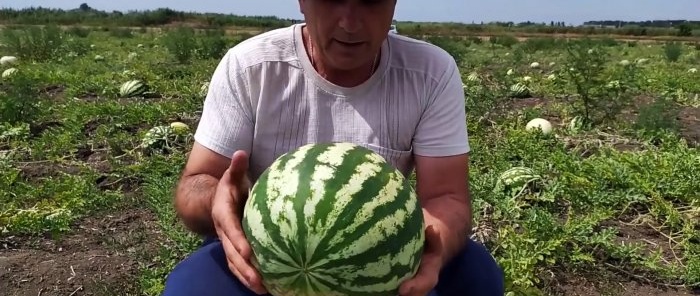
x=518 y=176
x=334 y=219
x=156 y=134
x=132 y=88
x=576 y=124
x=519 y=90
x=9 y=72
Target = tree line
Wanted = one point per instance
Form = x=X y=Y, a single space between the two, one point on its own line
x=86 y=16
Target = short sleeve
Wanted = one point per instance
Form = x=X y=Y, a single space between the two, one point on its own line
x=226 y=124
x=442 y=128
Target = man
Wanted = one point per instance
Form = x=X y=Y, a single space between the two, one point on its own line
x=340 y=76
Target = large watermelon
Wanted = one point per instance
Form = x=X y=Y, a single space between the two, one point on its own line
x=333 y=219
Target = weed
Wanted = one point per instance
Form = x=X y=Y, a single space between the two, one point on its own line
x=673 y=51
x=34 y=43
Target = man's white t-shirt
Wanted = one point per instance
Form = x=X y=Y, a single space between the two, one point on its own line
x=265 y=98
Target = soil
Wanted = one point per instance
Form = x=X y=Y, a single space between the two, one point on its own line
x=35 y=171
x=603 y=282
x=55 y=92
x=607 y=280
x=102 y=256
x=689 y=119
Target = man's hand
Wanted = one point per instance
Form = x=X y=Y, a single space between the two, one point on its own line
x=227 y=210
x=426 y=278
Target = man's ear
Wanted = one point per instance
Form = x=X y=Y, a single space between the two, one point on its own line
x=301 y=6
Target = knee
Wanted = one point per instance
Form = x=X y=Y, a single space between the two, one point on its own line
x=492 y=274
x=473 y=272
x=177 y=281
x=204 y=272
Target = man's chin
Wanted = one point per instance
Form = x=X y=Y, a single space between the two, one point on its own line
x=347 y=64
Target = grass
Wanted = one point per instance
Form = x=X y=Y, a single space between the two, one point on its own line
x=617 y=194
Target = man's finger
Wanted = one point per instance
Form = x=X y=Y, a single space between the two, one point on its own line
x=239 y=252
x=230 y=255
x=431 y=263
x=432 y=239
x=242 y=269
x=252 y=279
x=239 y=167
x=228 y=226
x=427 y=276
x=425 y=279
x=242 y=246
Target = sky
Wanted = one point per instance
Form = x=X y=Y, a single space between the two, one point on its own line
x=572 y=12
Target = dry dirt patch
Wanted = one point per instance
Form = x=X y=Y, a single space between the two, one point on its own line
x=102 y=256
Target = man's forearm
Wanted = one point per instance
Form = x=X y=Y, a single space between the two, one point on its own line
x=450 y=216
x=193 y=203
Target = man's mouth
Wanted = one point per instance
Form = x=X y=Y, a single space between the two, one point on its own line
x=349 y=44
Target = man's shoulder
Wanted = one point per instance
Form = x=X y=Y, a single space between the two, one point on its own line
x=276 y=45
x=415 y=55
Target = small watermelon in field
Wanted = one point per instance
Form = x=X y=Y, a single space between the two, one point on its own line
x=204 y=89
x=333 y=219
x=9 y=72
x=132 y=88
x=576 y=124
x=517 y=177
x=539 y=123
x=8 y=60
x=179 y=128
x=519 y=90
x=517 y=180
x=156 y=136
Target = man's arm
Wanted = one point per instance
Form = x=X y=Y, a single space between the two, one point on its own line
x=196 y=188
x=441 y=147
x=442 y=186
x=225 y=126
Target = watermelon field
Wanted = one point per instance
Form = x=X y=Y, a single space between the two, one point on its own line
x=607 y=202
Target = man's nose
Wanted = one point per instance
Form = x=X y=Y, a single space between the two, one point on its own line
x=350 y=17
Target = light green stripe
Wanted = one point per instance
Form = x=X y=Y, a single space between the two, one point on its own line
x=262 y=237
x=282 y=186
x=323 y=172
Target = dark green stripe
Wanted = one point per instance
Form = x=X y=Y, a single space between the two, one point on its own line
x=339 y=287
x=282 y=275
x=354 y=158
x=391 y=243
x=306 y=169
x=396 y=269
x=300 y=283
x=370 y=188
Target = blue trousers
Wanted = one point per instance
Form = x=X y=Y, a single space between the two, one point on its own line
x=474 y=272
